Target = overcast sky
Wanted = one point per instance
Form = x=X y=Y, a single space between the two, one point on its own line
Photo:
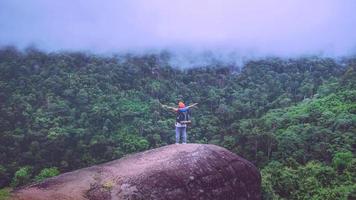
x=277 y=27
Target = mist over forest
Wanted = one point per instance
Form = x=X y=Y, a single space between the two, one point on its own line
x=83 y=83
x=290 y=117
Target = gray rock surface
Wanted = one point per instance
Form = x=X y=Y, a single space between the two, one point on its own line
x=174 y=172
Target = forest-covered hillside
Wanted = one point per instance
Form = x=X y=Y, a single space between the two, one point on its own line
x=293 y=118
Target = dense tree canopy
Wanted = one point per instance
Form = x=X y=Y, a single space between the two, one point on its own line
x=294 y=118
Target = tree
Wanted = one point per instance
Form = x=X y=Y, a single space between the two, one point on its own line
x=22 y=176
x=47 y=173
x=342 y=160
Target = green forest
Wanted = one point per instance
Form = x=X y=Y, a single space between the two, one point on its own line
x=294 y=118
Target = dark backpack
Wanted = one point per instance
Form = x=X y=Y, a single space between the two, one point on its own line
x=182 y=115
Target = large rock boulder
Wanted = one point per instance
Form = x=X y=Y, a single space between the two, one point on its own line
x=185 y=171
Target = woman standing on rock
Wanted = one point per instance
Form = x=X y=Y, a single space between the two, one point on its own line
x=182 y=120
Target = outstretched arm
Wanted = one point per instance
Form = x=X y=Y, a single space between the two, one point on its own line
x=194 y=104
x=169 y=107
